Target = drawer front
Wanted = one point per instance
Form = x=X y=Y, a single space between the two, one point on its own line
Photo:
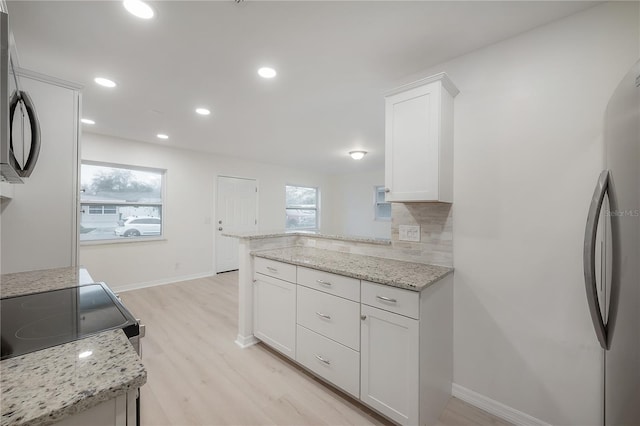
x=342 y=286
x=392 y=299
x=330 y=360
x=332 y=316
x=280 y=270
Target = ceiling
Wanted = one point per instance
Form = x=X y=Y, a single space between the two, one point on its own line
x=334 y=59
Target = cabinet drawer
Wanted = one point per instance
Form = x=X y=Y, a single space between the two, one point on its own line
x=283 y=271
x=331 y=316
x=392 y=299
x=346 y=287
x=330 y=360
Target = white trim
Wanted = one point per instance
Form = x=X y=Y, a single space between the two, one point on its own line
x=246 y=341
x=172 y=280
x=22 y=72
x=443 y=77
x=494 y=407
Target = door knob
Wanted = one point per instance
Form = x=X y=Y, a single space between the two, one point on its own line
x=220 y=228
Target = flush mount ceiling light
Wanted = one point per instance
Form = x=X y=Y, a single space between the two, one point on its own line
x=138 y=8
x=87 y=121
x=203 y=111
x=357 y=155
x=162 y=136
x=104 y=82
x=266 y=72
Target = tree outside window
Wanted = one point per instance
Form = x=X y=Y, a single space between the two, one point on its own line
x=113 y=196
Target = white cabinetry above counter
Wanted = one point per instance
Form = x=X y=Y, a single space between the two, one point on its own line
x=419 y=141
x=389 y=347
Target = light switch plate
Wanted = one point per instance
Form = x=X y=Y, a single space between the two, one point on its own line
x=409 y=233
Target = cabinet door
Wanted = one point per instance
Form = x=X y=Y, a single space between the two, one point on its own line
x=274 y=313
x=389 y=355
x=411 y=144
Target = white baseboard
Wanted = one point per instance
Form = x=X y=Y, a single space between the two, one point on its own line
x=496 y=408
x=246 y=341
x=137 y=286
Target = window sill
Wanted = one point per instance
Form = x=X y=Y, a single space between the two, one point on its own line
x=128 y=240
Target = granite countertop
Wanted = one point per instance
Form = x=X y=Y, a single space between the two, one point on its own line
x=257 y=235
x=21 y=283
x=396 y=273
x=46 y=386
x=43 y=387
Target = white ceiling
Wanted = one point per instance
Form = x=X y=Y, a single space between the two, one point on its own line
x=334 y=62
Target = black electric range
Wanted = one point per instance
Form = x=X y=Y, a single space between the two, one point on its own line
x=38 y=321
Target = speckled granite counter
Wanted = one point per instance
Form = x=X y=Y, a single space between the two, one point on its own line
x=40 y=388
x=43 y=387
x=43 y=280
x=396 y=273
x=258 y=235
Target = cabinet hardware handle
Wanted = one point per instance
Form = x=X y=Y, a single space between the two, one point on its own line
x=387 y=190
x=272 y=269
x=327 y=283
x=323 y=360
x=363 y=317
x=387 y=299
x=321 y=315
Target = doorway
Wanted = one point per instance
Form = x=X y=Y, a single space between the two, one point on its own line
x=236 y=210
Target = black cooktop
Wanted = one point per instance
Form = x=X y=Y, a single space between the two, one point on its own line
x=37 y=321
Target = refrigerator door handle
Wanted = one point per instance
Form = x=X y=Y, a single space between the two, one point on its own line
x=589 y=261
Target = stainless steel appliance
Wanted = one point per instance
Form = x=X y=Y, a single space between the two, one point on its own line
x=19 y=124
x=612 y=255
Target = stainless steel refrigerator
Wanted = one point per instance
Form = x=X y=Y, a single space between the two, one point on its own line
x=612 y=255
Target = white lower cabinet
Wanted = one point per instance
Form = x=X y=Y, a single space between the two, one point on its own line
x=330 y=360
x=389 y=371
x=274 y=313
x=119 y=411
x=392 y=348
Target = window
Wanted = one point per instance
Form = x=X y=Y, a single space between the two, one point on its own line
x=301 y=207
x=120 y=202
x=382 y=209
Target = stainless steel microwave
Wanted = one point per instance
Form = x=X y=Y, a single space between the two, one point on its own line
x=20 y=128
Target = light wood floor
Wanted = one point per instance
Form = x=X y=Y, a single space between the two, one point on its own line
x=197 y=375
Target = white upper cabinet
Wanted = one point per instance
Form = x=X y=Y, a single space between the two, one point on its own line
x=419 y=141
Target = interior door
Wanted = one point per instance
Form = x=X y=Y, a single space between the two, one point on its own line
x=622 y=360
x=236 y=211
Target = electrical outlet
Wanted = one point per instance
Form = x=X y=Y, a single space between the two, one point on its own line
x=409 y=233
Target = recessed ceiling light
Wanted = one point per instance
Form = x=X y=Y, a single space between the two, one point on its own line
x=266 y=72
x=138 y=8
x=104 y=82
x=85 y=354
x=357 y=155
x=162 y=136
x=87 y=121
x=203 y=111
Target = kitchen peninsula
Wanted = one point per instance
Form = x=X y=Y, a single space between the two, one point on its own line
x=353 y=314
x=91 y=380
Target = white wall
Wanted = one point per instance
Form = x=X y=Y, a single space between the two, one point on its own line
x=528 y=150
x=351 y=200
x=188 y=212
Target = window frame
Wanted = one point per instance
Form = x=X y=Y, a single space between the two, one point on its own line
x=119 y=240
x=376 y=204
x=293 y=207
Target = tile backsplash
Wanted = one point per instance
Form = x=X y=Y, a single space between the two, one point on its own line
x=436 y=236
x=436 y=232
